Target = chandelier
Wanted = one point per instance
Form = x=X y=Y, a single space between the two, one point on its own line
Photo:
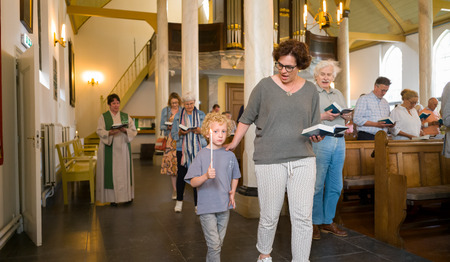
x=323 y=18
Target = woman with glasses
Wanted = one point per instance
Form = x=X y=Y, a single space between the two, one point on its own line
x=169 y=160
x=186 y=130
x=406 y=118
x=281 y=106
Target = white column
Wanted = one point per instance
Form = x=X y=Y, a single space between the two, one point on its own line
x=189 y=48
x=258 y=64
x=213 y=91
x=343 y=79
x=162 y=64
x=425 y=49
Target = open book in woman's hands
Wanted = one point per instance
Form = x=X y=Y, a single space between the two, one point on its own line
x=119 y=126
x=324 y=130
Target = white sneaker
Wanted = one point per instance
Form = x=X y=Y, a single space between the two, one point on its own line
x=174 y=195
x=267 y=259
x=178 y=206
x=195 y=209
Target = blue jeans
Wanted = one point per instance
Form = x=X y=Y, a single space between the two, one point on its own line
x=214 y=228
x=330 y=156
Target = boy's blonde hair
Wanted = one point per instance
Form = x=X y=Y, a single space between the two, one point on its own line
x=214 y=117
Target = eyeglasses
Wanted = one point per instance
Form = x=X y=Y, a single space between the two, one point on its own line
x=412 y=102
x=288 y=68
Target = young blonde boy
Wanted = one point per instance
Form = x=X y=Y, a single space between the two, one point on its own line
x=216 y=184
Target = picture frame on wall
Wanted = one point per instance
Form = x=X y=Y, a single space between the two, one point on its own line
x=1 y=104
x=55 y=79
x=26 y=14
x=71 y=74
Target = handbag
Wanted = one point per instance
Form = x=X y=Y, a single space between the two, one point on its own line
x=160 y=144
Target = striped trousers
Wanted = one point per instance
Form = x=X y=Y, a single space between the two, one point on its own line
x=298 y=178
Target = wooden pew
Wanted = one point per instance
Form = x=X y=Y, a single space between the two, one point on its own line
x=74 y=168
x=358 y=172
x=406 y=171
x=84 y=150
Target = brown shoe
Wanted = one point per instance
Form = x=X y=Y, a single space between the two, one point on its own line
x=333 y=229
x=316 y=232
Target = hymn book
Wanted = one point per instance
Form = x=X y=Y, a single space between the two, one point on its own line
x=324 y=130
x=185 y=128
x=119 y=126
x=167 y=123
x=387 y=120
x=337 y=109
x=424 y=116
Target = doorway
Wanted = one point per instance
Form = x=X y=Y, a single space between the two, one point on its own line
x=28 y=129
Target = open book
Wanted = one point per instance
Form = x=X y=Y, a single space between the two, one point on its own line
x=337 y=109
x=387 y=120
x=324 y=130
x=425 y=137
x=424 y=116
x=167 y=123
x=185 y=128
x=119 y=126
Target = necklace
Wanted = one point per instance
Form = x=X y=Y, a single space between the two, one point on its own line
x=288 y=93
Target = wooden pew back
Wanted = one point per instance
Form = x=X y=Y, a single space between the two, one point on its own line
x=400 y=165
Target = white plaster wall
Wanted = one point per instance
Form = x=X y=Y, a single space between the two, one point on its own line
x=51 y=111
x=363 y=72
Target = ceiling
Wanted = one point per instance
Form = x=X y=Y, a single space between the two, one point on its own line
x=370 y=21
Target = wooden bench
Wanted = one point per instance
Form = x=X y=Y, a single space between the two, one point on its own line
x=358 y=172
x=75 y=168
x=84 y=150
x=406 y=172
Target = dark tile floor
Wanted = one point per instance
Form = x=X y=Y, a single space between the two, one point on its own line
x=149 y=230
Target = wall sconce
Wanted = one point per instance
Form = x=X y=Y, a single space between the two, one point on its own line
x=92 y=82
x=63 y=35
x=93 y=77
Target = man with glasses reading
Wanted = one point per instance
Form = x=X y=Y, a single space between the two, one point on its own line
x=370 y=108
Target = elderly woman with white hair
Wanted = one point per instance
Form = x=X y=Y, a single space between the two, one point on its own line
x=330 y=153
x=189 y=142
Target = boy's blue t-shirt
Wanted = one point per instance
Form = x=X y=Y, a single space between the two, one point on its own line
x=213 y=195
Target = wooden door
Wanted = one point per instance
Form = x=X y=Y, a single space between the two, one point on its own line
x=29 y=152
x=234 y=101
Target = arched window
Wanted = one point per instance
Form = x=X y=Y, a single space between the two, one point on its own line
x=441 y=63
x=392 y=69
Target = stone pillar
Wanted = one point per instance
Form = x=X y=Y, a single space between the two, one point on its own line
x=425 y=49
x=213 y=91
x=162 y=62
x=258 y=64
x=218 y=11
x=343 y=78
x=189 y=49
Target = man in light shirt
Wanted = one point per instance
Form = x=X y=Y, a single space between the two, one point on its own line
x=370 y=108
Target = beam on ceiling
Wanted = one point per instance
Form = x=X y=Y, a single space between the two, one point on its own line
x=440 y=4
x=391 y=15
x=150 y=18
x=355 y=36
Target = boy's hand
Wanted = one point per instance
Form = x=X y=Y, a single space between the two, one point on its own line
x=211 y=173
x=232 y=202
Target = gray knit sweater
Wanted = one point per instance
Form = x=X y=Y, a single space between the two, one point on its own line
x=279 y=121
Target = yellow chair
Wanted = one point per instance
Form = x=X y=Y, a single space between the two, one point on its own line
x=76 y=169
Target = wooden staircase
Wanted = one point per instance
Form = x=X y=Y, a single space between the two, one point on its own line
x=138 y=70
